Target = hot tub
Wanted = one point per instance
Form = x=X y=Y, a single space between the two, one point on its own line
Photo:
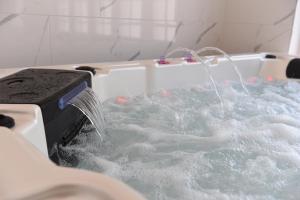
x=127 y=79
x=144 y=77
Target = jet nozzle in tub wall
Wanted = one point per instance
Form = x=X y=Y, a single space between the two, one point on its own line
x=51 y=90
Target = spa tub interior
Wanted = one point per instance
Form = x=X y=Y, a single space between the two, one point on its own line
x=135 y=78
x=113 y=80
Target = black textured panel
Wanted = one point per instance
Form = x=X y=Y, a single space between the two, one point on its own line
x=7 y=121
x=44 y=87
x=270 y=56
x=293 y=69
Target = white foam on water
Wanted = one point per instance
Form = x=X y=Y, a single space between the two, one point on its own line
x=182 y=147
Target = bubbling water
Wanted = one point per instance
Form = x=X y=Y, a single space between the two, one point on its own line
x=178 y=146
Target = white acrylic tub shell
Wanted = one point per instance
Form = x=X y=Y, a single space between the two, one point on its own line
x=38 y=174
x=27 y=175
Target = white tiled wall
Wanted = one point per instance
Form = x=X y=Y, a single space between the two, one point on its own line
x=258 y=25
x=44 y=32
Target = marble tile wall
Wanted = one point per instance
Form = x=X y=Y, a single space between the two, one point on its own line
x=258 y=26
x=44 y=32
x=49 y=32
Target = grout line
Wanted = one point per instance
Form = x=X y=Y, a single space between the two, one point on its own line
x=8 y=18
x=107 y=18
x=41 y=41
x=50 y=42
x=284 y=18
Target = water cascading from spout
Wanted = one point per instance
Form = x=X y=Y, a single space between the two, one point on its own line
x=230 y=61
x=90 y=105
x=207 y=68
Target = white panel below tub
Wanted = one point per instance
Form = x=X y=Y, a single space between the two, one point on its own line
x=274 y=69
x=248 y=66
x=177 y=76
x=120 y=82
x=187 y=74
x=28 y=123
